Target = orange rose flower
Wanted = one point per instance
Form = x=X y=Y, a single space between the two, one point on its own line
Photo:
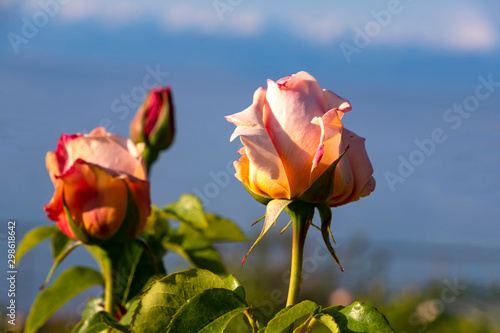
x=101 y=179
x=292 y=133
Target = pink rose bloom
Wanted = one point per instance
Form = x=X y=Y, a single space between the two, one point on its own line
x=291 y=134
x=93 y=175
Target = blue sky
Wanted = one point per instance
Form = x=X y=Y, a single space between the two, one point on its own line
x=406 y=73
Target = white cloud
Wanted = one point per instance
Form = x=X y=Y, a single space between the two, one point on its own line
x=453 y=25
x=205 y=19
x=319 y=29
x=457 y=28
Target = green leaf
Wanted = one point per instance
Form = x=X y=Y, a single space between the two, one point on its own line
x=306 y=326
x=92 y=306
x=189 y=210
x=328 y=321
x=192 y=245
x=235 y=286
x=132 y=268
x=325 y=213
x=70 y=283
x=125 y=320
x=58 y=242
x=289 y=315
x=33 y=238
x=166 y=296
x=222 y=230
x=207 y=312
x=98 y=322
x=358 y=317
x=273 y=211
x=135 y=271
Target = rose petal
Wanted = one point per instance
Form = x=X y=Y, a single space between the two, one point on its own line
x=260 y=149
x=331 y=133
x=362 y=170
x=96 y=200
x=259 y=182
x=334 y=101
x=293 y=103
x=55 y=210
x=103 y=149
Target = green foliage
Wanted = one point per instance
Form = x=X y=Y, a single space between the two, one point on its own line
x=188 y=210
x=58 y=242
x=289 y=315
x=193 y=246
x=207 y=312
x=166 y=296
x=70 y=283
x=33 y=238
x=235 y=286
x=220 y=229
x=358 y=317
x=193 y=238
x=98 y=322
x=327 y=321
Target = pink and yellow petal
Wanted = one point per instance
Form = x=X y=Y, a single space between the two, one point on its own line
x=97 y=201
x=141 y=194
x=55 y=210
x=292 y=104
x=362 y=170
x=334 y=101
x=259 y=147
x=330 y=142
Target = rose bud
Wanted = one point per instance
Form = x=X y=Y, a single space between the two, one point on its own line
x=293 y=137
x=154 y=123
x=101 y=188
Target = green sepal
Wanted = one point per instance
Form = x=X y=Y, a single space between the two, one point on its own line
x=262 y=199
x=322 y=188
x=273 y=211
x=325 y=213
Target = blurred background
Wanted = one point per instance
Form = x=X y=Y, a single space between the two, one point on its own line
x=424 y=81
